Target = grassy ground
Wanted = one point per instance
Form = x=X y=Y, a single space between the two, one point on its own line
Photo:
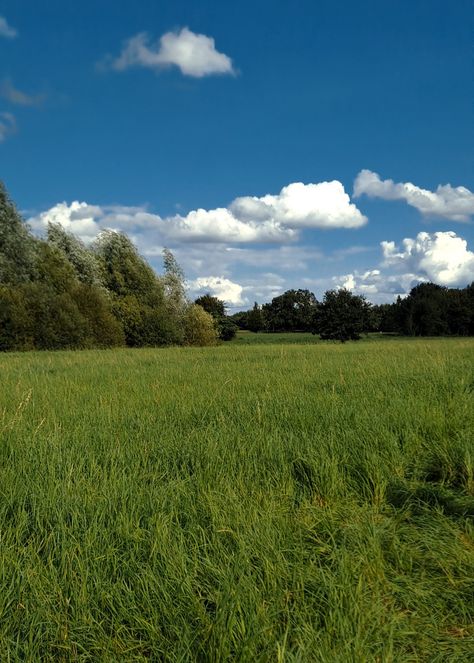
x=268 y=503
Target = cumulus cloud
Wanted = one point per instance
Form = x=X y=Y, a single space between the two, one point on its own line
x=218 y=286
x=78 y=218
x=7 y=126
x=194 y=54
x=270 y=219
x=6 y=30
x=298 y=205
x=454 y=203
x=377 y=285
x=441 y=257
x=15 y=96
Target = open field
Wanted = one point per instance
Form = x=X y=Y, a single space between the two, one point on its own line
x=297 y=502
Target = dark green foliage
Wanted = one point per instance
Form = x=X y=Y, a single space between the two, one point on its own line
x=17 y=245
x=144 y=324
x=430 y=310
x=255 y=319
x=342 y=316
x=16 y=321
x=292 y=311
x=213 y=305
x=58 y=293
x=102 y=328
x=227 y=329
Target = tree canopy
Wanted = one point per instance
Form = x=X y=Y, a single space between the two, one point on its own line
x=341 y=316
x=59 y=293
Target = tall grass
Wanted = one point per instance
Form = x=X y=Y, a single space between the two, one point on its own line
x=266 y=503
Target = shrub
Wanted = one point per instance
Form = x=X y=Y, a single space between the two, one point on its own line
x=199 y=326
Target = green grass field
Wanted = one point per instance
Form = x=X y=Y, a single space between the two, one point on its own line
x=250 y=502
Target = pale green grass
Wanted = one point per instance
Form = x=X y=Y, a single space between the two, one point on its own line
x=266 y=503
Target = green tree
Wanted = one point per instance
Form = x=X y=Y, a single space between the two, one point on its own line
x=140 y=300
x=85 y=261
x=124 y=271
x=291 y=311
x=255 y=319
x=213 y=305
x=341 y=316
x=17 y=245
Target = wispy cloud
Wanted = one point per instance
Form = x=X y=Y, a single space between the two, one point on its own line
x=7 y=126
x=454 y=203
x=194 y=54
x=15 y=96
x=6 y=30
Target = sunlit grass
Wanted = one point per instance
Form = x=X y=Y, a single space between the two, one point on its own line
x=269 y=503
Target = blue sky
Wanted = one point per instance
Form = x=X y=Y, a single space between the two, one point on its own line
x=270 y=145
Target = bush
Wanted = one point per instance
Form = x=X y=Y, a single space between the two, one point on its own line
x=199 y=326
x=227 y=329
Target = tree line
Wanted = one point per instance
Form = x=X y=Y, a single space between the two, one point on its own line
x=58 y=293
x=428 y=310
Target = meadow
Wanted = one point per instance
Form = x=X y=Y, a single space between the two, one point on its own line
x=256 y=501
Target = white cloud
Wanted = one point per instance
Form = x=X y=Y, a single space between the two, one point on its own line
x=194 y=54
x=441 y=257
x=218 y=286
x=78 y=218
x=454 y=203
x=220 y=225
x=298 y=205
x=17 y=97
x=6 y=30
x=7 y=126
x=376 y=285
x=270 y=219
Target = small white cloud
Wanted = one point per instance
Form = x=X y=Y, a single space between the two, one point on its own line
x=7 y=126
x=6 y=30
x=441 y=257
x=454 y=203
x=218 y=286
x=15 y=96
x=78 y=218
x=194 y=54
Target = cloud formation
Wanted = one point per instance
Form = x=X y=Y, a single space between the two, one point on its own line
x=218 y=286
x=194 y=54
x=15 y=96
x=377 y=285
x=269 y=219
x=7 y=126
x=454 y=203
x=298 y=205
x=6 y=30
x=441 y=257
